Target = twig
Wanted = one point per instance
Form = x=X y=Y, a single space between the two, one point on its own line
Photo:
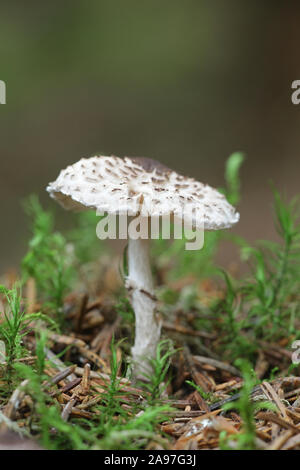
x=15 y=400
x=86 y=379
x=69 y=386
x=280 y=440
x=68 y=409
x=198 y=378
x=217 y=364
x=187 y=331
x=59 y=364
x=81 y=311
x=268 y=416
x=62 y=375
x=273 y=396
x=101 y=375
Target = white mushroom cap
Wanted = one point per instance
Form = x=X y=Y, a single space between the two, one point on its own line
x=139 y=185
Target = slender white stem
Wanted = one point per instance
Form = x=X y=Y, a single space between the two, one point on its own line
x=140 y=286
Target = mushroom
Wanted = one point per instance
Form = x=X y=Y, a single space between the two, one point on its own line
x=140 y=187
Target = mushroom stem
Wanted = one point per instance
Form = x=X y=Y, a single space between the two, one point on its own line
x=147 y=325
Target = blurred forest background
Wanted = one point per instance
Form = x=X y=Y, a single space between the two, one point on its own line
x=186 y=83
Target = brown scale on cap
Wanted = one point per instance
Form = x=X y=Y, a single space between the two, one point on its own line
x=149 y=165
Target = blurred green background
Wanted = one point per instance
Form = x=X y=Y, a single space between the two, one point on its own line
x=185 y=82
